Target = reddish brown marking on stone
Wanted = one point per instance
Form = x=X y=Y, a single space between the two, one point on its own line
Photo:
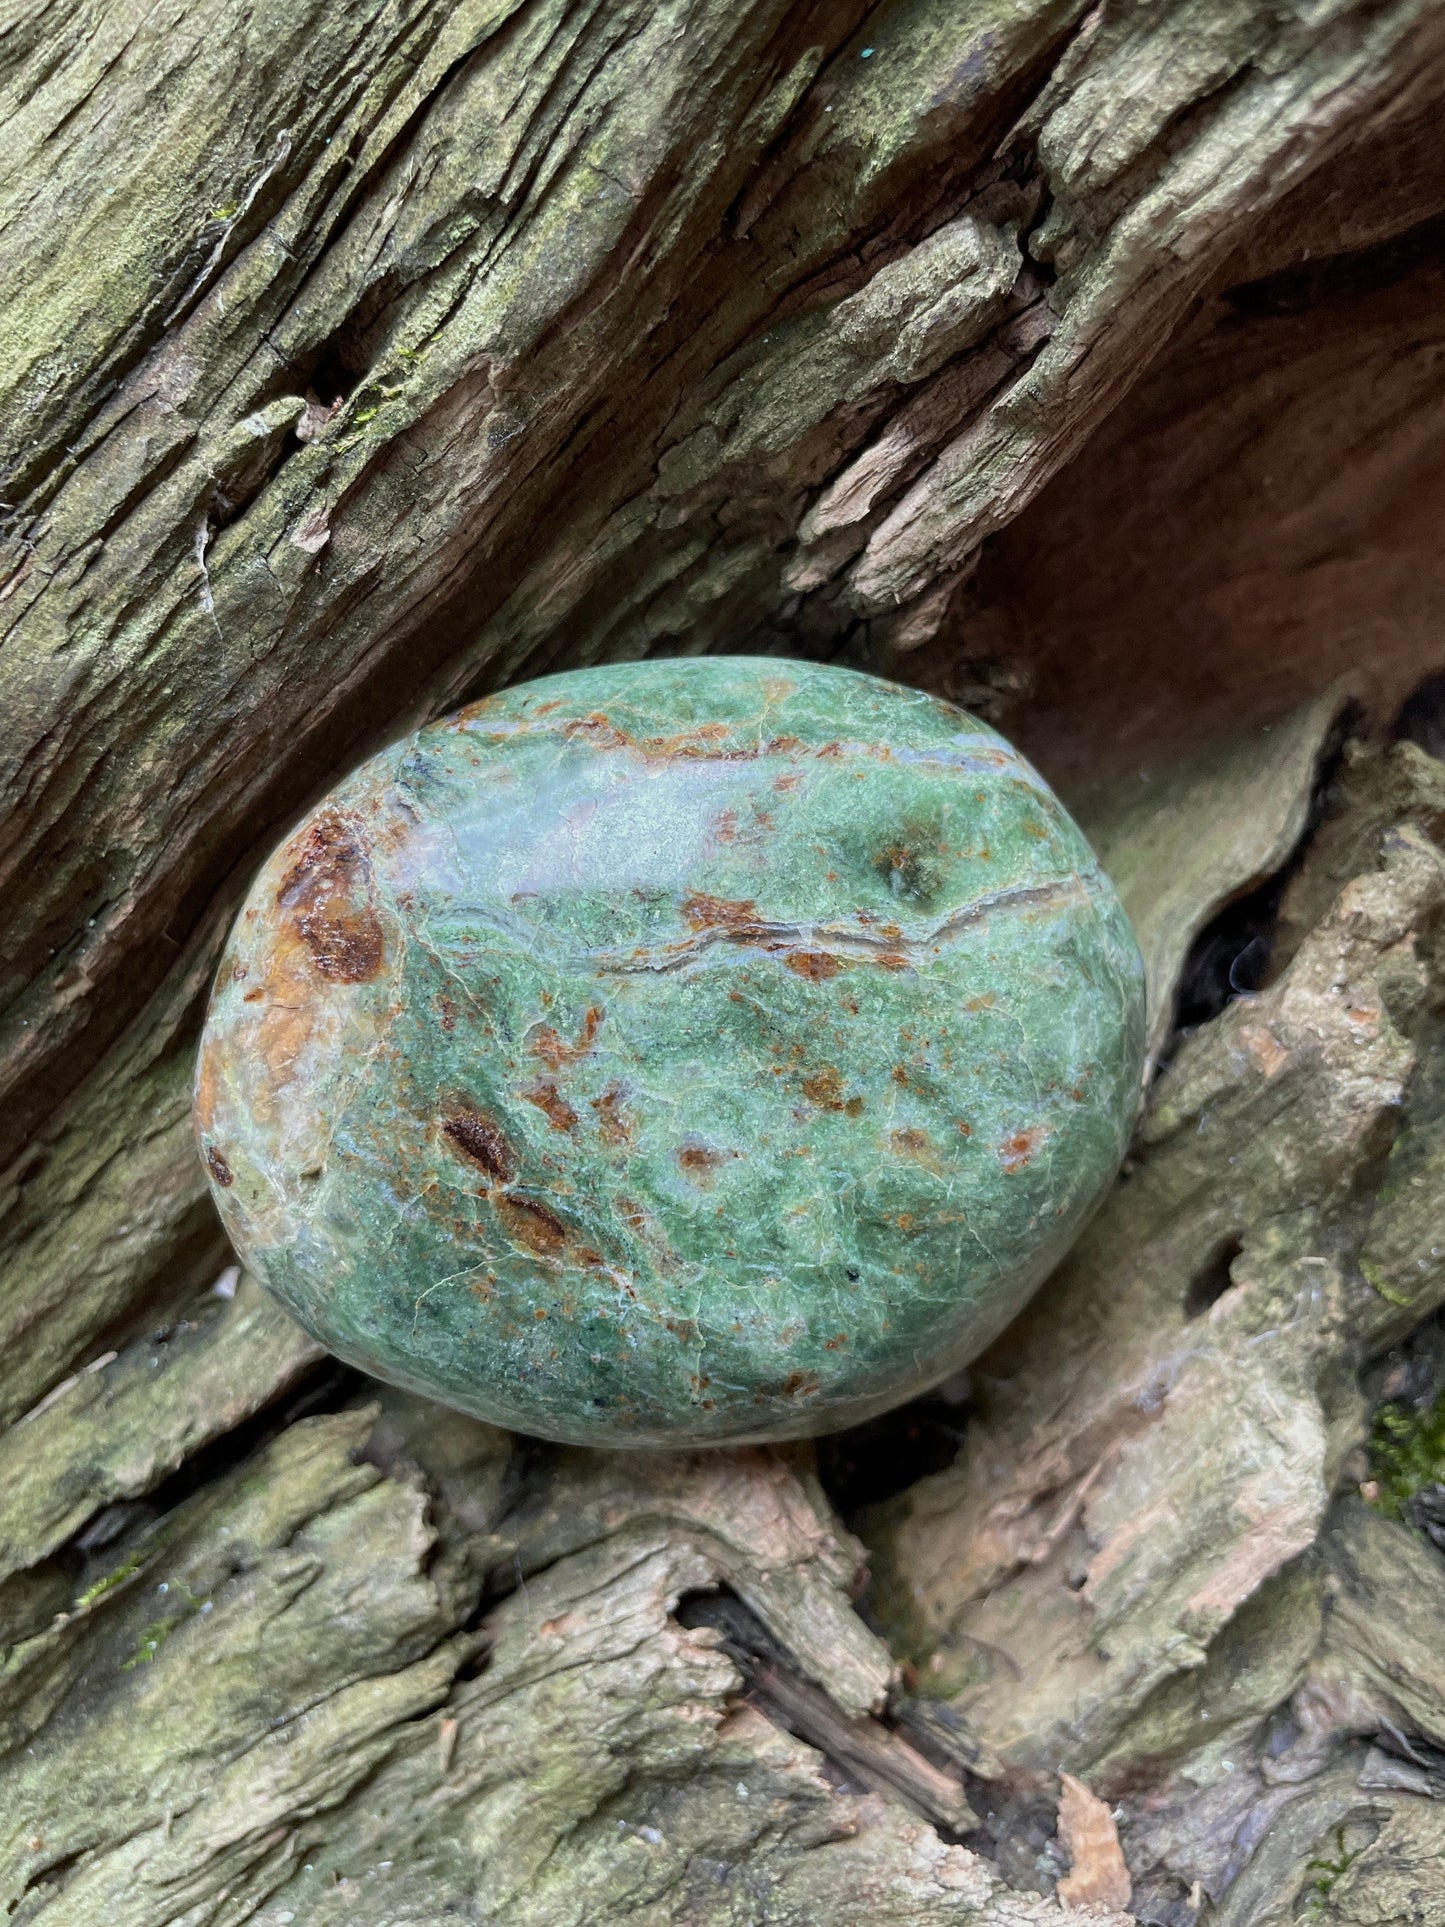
x=323 y=895
x=479 y=1139
x=981 y=1003
x=701 y=740
x=220 y=1170
x=549 y=1099
x=208 y=1077
x=253 y=996
x=800 y=1385
x=833 y=1344
x=549 y=1046
x=448 y=1013
x=1078 y=1093
x=911 y=1143
x=700 y=1161
x=555 y=1051
x=539 y=1312
x=816 y=965
x=632 y=1213
x=532 y=1225
x=612 y=1121
x=598 y=730
x=965 y=1130
x=718 y=913
x=790 y=779
x=831 y=749
x=584 y=1255
x=899 y=1073
x=825 y=1089
x=890 y=960
x=1015 y=1152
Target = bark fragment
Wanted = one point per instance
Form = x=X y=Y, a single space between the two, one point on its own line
x=1097 y=1875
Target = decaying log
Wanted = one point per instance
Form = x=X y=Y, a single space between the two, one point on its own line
x=1079 y=363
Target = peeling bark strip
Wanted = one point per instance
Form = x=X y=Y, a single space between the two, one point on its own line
x=361 y=356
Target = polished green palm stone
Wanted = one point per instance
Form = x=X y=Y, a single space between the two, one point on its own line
x=673 y=1052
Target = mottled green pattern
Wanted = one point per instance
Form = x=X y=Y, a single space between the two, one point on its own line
x=673 y=1051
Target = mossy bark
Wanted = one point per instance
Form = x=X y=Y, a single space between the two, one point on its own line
x=1079 y=364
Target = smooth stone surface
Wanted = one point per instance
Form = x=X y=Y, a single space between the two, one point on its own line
x=673 y=1052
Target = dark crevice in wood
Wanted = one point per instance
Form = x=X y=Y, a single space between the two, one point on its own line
x=1421 y=717
x=1213 y=1279
x=330 y=1387
x=866 y=1754
x=1343 y=277
x=873 y=1461
x=1231 y=956
x=1017 y=1830
x=1410 y=1372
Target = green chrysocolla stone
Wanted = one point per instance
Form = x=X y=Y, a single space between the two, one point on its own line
x=673 y=1052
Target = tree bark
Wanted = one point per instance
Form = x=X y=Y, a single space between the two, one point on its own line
x=1080 y=365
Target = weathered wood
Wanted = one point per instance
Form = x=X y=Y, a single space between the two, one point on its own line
x=1082 y=364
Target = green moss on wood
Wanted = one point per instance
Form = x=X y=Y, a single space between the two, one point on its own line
x=1407 y=1452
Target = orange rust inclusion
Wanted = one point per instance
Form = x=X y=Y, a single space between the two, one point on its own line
x=555 y=1051
x=532 y=1225
x=825 y=1089
x=718 y=913
x=550 y=1101
x=816 y=965
x=323 y=896
x=1015 y=1152
x=701 y=1161
x=480 y=1139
